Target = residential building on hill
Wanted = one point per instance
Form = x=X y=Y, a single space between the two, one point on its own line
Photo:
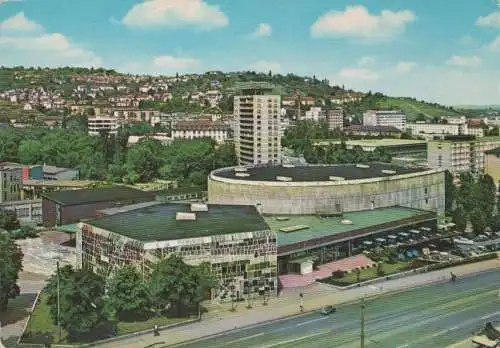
x=196 y=129
x=434 y=129
x=391 y=118
x=315 y=113
x=335 y=118
x=257 y=134
x=103 y=124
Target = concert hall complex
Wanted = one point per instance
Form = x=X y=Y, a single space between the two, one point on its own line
x=261 y=222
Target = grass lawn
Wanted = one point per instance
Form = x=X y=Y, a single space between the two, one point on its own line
x=40 y=328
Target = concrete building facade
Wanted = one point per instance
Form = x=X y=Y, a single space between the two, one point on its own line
x=492 y=165
x=335 y=118
x=240 y=247
x=460 y=154
x=103 y=124
x=10 y=182
x=330 y=189
x=390 y=118
x=257 y=135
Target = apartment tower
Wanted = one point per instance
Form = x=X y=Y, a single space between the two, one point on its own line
x=257 y=133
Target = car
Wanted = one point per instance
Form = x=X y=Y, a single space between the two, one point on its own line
x=327 y=310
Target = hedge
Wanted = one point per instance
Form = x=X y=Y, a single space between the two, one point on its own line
x=485 y=257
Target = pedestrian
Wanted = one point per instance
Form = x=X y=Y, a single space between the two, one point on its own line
x=156 y=332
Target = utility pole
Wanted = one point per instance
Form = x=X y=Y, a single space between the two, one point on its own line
x=362 y=323
x=58 y=304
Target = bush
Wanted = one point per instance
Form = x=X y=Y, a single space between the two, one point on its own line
x=24 y=232
x=338 y=274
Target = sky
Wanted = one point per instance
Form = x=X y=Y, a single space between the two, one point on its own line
x=438 y=50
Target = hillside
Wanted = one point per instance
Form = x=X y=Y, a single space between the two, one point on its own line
x=286 y=85
x=414 y=109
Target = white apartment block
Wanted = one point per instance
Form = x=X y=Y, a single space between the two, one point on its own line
x=421 y=128
x=390 y=118
x=136 y=115
x=103 y=124
x=335 y=118
x=217 y=131
x=315 y=113
x=460 y=155
x=257 y=127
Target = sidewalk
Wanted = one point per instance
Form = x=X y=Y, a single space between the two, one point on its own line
x=220 y=319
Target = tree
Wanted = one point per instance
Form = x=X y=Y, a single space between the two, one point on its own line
x=478 y=220
x=459 y=218
x=174 y=284
x=8 y=220
x=81 y=301
x=449 y=189
x=11 y=258
x=127 y=293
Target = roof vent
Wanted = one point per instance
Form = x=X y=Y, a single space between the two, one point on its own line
x=240 y=169
x=294 y=228
x=288 y=165
x=385 y=171
x=284 y=178
x=336 y=178
x=199 y=207
x=362 y=166
x=185 y=216
x=282 y=218
x=242 y=175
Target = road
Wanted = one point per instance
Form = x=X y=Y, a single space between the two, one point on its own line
x=434 y=316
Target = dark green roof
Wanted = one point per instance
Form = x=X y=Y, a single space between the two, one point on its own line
x=95 y=195
x=493 y=152
x=159 y=223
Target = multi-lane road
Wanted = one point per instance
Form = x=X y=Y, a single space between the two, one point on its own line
x=433 y=316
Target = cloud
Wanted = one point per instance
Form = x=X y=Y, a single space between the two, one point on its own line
x=366 y=61
x=490 y=21
x=175 y=64
x=357 y=22
x=495 y=44
x=263 y=29
x=19 y=23
x=358 y=74
x=466 y=39
x=463 y=61
x=175 y=13
x=265 y=66
x=25 y=42
x=6 y=1
x=404 y=67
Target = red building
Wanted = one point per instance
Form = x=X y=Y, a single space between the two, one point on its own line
x=72 y=206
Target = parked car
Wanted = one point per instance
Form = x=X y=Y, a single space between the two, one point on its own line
x=327 y=310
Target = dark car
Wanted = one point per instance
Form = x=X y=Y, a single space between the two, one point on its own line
x=326 y=310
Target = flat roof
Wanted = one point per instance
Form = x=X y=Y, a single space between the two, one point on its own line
x=159 y=222
x=373 y=142
x=307 y=173
x=321 y=227
x=94 y=195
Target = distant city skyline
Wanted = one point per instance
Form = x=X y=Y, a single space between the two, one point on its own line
x=423 y=49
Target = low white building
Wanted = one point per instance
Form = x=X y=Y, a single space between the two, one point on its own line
x=103 y=124
x=197 y=129
x=314 y=114
x=387 y=118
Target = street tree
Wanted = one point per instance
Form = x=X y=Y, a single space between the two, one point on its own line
x=128 y=295
x=82 y=307
x=478 y=220
x=11 y=258
x=460 y=218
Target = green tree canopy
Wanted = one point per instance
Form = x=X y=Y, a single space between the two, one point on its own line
x=11 y=258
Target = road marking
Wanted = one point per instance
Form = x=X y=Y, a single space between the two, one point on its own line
x=322 y=332
x=245 y=338
x=489 y=315
x=311 y=321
